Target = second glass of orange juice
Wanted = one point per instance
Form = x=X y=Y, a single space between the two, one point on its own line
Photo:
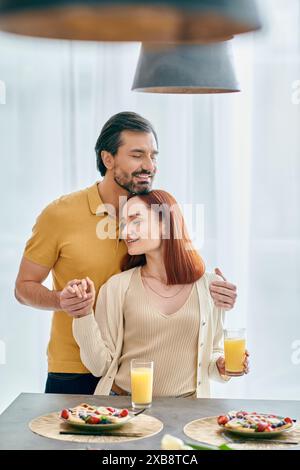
x=234 y=348
x=141 y=383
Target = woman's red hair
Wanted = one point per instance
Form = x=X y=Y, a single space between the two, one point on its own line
x=182 y=262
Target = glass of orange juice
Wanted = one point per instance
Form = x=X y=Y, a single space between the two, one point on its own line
x=234 y=348
x=141 y=383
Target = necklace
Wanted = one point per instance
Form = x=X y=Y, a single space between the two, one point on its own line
x=164 y=296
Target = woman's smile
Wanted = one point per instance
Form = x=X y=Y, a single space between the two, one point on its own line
x=129 y=241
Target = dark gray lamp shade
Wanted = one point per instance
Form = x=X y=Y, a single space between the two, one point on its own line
x=130 y=20
x=185 y=68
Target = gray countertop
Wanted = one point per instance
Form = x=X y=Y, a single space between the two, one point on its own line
x=175 y=413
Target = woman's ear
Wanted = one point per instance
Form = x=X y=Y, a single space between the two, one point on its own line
x=107 y=159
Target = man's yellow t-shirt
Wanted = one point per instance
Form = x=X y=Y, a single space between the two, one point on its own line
x=75 y=237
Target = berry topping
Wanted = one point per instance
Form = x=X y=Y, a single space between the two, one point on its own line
x=222 y=420
x=65 y=414
x=92 y=420
x=124 y=413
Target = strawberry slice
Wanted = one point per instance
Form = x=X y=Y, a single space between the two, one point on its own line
x=92 y=420
x=261 y=427
x=124 y=413
x=111 y=410
x=222 y=420
x=65 y=414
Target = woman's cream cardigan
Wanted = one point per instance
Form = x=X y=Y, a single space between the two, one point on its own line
x=100 y=336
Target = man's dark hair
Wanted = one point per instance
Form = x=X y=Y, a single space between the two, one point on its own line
x=110 y=136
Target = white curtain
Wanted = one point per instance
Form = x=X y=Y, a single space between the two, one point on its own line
x=235 y=157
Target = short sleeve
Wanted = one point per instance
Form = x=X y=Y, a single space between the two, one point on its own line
x=43 y=245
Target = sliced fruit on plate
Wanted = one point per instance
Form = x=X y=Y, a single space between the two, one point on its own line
x=94 y=415
x=251 y=422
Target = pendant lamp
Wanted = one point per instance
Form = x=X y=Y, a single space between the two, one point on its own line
x=130 y=20
x=185 y=68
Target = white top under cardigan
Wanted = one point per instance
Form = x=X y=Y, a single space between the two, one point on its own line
x=100 y=336
x=170 y=341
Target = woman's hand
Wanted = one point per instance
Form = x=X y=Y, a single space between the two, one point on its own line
x=221 y=364
x=223 y=292
x=82 y=297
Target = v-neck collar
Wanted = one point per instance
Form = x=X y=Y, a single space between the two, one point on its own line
x=153 y=306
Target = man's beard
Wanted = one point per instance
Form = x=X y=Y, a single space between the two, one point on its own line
x=126 y=182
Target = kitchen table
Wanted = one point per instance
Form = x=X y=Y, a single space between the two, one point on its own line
x=175 y=413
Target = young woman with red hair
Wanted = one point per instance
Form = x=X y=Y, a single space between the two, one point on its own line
x=159 y=308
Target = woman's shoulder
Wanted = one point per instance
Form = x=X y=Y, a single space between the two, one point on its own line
x=120 y=278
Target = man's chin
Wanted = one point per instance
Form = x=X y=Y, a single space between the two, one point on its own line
x=141 y=188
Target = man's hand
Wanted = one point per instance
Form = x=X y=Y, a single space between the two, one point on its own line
x=78 y=297
x=223 y=293
x=221 y=364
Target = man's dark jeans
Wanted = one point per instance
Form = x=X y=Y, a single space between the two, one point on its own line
x=78 y=384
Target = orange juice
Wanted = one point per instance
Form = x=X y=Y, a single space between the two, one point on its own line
x=141 y=386
x=234 y=349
